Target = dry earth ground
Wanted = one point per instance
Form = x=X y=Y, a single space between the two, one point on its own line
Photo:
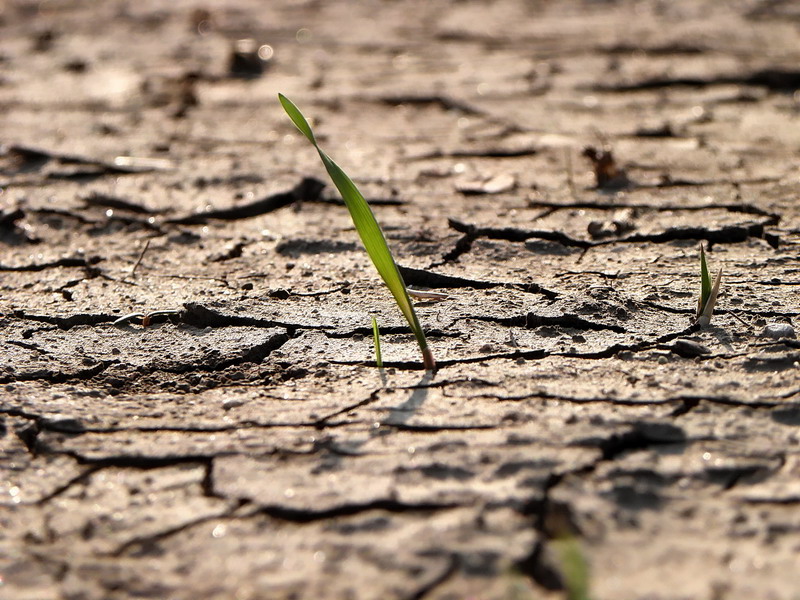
x=245 y=446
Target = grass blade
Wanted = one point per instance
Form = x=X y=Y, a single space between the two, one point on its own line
x=711 y=302
x=708 y=291
x=298 y=119
x=705 y=283
x=376 y=336
x=574 y=568
x=368 y=230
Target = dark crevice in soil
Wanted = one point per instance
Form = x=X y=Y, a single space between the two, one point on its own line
x=728 y=234
x=139 y=545
x=429 y=279
x=543 y=395
x=11 y=232
x=453 y=564
x=67 y=322
x=301 y=515
x=422 y=428
x=446 y=103
x=461 y=247
x=29 y=434
x=686 y=406
x=731 y=476
x=608 y=352
x=777 y=80
x=60 y=212
x=549 y=523
x=208 y=481
x=485 y=152
x=26 y=159
x=66 y=425
x=690 y=400
x=749 y=209
x=99 y=226
x=201 y=316
x=77 y=480
x=58 y=377
x=395 y=330
x=784 y=501
x=372 y=201
x=759 y=313
x=417 y=365
x=668 y=182
x=686 y=403
x=322 y=421
x=774 y=282
x=514 y=234
x=145 y=543
x=309 y=189
x=256 y=354
x=75 y=261
x=667 y=49
x=554 y=520
x=241 y=426
x=670 y=309
x=208 y=364
x=537 y=568
x=213 y=363
x=28 y=346
x=107 y=201
x=133 y=461
x=531 y=320
x=233 y=251
x=617 y=348
x=297 y=247
x=723 y=311
x=641 y=436
x=284 y=294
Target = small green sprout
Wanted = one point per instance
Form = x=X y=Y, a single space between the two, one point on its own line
x=369 y=231
x=574 y=567
x=708 y=292
x=376 y=336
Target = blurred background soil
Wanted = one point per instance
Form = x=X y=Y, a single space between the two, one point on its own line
x=189 y=405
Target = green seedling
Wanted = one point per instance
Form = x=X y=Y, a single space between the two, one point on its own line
x=368 y=230
x=574 y=567
x=376 y=336
x=708 y=292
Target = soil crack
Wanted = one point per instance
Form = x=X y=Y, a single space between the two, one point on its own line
x=308 y=190
x=430 y=279
x=301 y=515
x=727 y=234
x=777 y=80
x=69 y=261
x=531 y=320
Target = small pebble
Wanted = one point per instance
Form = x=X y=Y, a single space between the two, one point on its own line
x=689 y=348
x=232 y=403
x=778 y=330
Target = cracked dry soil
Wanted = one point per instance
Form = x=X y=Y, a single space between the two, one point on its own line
x=245 y=446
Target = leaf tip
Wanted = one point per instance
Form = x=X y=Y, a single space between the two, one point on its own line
x=297 y=118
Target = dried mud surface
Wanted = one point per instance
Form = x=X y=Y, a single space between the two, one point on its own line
x=244 y=445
